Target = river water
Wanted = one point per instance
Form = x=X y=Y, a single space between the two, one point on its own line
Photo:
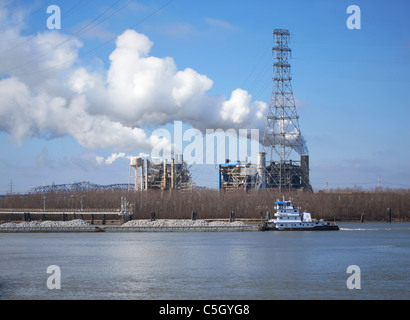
x=209 y=265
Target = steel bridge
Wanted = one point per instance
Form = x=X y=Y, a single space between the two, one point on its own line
x=77 y=186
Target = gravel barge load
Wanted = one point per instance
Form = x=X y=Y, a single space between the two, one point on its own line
x=131 y=226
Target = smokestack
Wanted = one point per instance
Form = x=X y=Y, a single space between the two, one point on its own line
x=164 y=181
x=304 y=166
x=261 y=160
x=145 y=174
x=172 y=173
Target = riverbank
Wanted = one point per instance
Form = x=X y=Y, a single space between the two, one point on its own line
x=102 y=218
x=334 y=205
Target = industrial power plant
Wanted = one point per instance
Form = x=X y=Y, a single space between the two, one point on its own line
x=284 y=163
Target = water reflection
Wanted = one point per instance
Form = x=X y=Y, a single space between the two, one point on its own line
x=217 y=265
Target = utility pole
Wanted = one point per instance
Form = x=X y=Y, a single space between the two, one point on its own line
x=11 y=190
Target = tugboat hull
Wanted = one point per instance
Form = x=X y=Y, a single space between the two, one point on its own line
x=315 y=228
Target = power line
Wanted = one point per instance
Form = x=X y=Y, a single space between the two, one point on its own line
x=82 y=30
x=262 y=58
x=25 y=18
x=74 y=9
x=65 y=15
x=258 y=66
x=336 y=77
x=102 y=44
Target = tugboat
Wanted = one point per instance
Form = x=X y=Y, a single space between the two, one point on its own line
x=288 y=218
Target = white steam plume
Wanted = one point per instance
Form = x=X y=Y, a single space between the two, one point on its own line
x=115 y=156
x=44 y=91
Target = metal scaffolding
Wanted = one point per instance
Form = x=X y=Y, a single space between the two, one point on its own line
x=287 y=156
x=284 y=162
x=163 y=175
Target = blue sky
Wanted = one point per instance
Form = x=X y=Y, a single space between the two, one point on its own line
x=351 y=86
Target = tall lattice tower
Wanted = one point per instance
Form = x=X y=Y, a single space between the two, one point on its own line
x=285 y=148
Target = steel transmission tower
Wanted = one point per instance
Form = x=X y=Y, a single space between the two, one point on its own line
x=283 y=143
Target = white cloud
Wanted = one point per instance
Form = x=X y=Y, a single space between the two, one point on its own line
x=147 y=89
x=80 y=81
x=46 y=92
x=238 y=108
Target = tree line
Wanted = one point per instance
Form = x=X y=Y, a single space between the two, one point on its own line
x=337 y=204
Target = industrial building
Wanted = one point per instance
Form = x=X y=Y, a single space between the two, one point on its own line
x=283 y=175
x=161 y=174
x=284 y=162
